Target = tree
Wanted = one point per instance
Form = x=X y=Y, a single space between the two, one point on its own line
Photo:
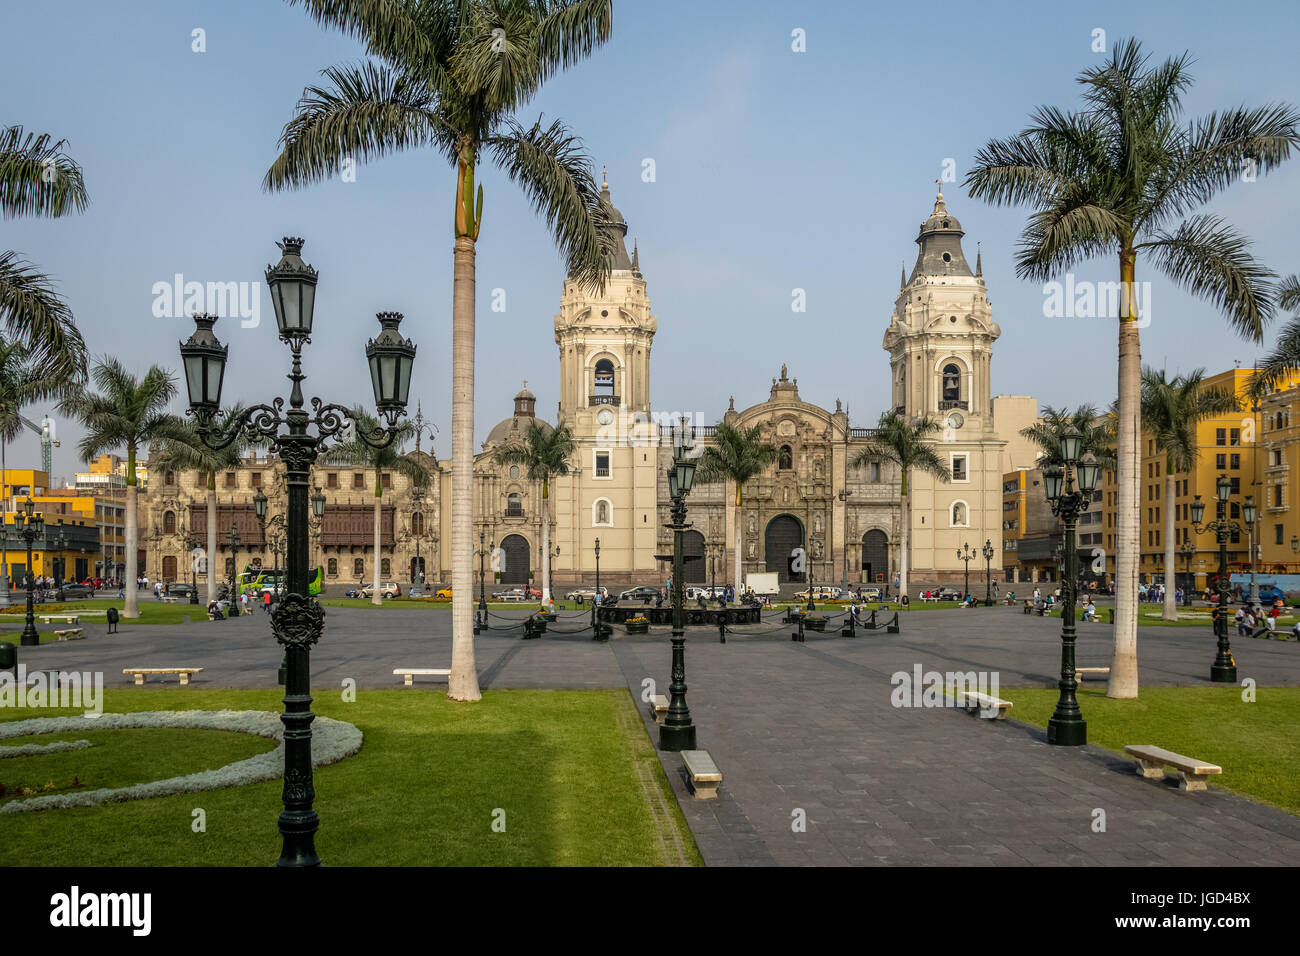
x=186 y=451
x=738 y=455
x=387 y=459
x=544 y=452
x=37 y=178
x=1119 y=178
x=1171 y=410
x=450 y=75
x=907 y=446
x=22 y=382
x=129 y=412
x=1096 y=431
x=1286 y=357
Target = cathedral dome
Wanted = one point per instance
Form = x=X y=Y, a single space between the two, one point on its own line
x=940 y=242
x=514 y=428
x=614 y=228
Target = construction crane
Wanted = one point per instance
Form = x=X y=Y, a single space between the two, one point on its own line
x=48 y=444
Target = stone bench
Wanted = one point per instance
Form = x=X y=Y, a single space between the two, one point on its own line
x=71 y=634
x=410 y=672
x=139 y=673
x=1082 y=673
x=659 y=708
x=65 y=618
x=1151 y=761
x=702 y=772
x=975 y=702
x=168 y=599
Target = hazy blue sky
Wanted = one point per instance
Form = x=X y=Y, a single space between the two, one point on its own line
x=775 y=170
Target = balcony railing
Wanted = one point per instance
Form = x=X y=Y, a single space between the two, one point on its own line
x=602 y=400
x=954 y=403
x=863 y=432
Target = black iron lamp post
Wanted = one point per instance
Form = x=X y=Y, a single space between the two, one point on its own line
x=1067 y=727
x=191 y=545
x=678 y=730
x=33 y=527
x=480 y=614
x=987 y=551
x=1224 y=668
x=315 y=523
x=232 y=540
x=964 y=553
x=599 y=629
x=298 y=620
x=1187 y=551
x=59 y=543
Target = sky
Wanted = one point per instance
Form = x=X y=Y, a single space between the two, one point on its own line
x=774 y=170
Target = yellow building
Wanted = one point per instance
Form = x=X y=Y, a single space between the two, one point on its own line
x=70 y=545
x=1279 y=478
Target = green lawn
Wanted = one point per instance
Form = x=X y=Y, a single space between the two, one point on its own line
x=151 y=611
x=565 y=767
x=417 y=604
x=1255 y=743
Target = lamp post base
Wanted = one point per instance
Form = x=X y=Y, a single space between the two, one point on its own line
x=1067 y=732
x=676 y=739
x=1223 y=673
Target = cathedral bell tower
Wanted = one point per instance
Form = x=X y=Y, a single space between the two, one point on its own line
x=940 y=343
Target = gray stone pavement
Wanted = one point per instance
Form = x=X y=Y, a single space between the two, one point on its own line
x=810 y=727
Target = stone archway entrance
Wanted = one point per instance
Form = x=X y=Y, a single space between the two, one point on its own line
x=417 y=570
x=783 y=535
x=694 y=572
x=875 y=555
x=516 y=561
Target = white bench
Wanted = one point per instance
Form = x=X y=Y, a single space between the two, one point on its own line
x=65 y=618
x=71 y=634
x=1081 y=673
x=702 y=773
x=139 y=672
x=1151 y=761
x=169 y=599
x=984 y=704
x=659 y=708
x=410 y=672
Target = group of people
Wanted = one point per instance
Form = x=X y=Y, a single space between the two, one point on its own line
x=1253 y=620
x=1155 y=593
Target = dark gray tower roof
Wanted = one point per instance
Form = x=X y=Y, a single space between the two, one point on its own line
x=615 y=228
x=940 y=242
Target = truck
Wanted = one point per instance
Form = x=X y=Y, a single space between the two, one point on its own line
x=763 y=582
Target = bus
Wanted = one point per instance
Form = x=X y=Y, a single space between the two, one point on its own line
x=254 y=581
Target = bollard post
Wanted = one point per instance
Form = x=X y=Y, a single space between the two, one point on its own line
x=798 y=635
x=848 y=626
x=722 y=628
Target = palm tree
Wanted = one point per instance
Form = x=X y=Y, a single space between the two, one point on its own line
x=386 y=459
x=129 y=412
x=188 y=452
x=1119 y=178
x=37 y=178
x=544 y=452
x=1096 y=434
x=1171 y=410
x=738 y=455
x=907 y=446
x=1286 y=357
x=22 y=382
x=450 y=75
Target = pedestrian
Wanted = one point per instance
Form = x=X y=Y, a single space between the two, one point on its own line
x=243 y=602
x=266 y=601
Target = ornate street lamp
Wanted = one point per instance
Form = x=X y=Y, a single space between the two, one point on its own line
x=60 y=544
x=480 y=614
x=1224 y=668
x=1067 y=726
x=678 y=730
x=232 y=539
x=299 y=619
x=33 y=527
x=191 y=545
x=987 y=551
x=599 y=629
x=1187 y=551
x=964 y=553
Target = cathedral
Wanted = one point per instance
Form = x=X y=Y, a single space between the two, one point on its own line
x=846 y=518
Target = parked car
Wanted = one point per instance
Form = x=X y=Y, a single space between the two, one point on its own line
x=640 y=593
x=1269 y=593
x=517 y=594
x=587 y=594
x=821 y=593
x=953 y=594
x=871 y=594
x=387 y=590
x=442 y=594
x=70 y=592
x=179 y=589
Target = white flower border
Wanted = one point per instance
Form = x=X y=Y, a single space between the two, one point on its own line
x=332 y=741
x=33 y=750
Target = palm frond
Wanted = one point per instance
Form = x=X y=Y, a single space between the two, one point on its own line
x=33 y=313
x=37 y=177
x=416 y=37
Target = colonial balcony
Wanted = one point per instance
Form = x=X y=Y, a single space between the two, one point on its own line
x=603 y=400
x=957 y=403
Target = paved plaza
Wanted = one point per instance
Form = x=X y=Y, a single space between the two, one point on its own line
x=811 y=727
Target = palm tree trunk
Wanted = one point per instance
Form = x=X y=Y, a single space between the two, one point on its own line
x=1123 y=664
x=546 y=544
x=212 y=536
x=1171 y=609
x=462 y=684
x=375 y=597
x=903 y=541
x=131 y=608
x=739 y=576
x=4 y=517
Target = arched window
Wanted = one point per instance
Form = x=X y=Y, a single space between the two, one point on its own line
x=785 y=461
x=604 y=380
x=417 y=523
x=332 y=568
x=514 y=505
x=951 y=383
x=385 y=568
x=960 y=515
x=169 y=522
x=359 y=568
